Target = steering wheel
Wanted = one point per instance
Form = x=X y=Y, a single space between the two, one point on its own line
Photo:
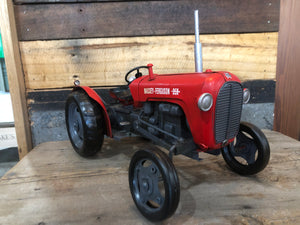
x=137 y=75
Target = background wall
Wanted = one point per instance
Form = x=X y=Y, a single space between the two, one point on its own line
x=287 y=106
x=99 y=41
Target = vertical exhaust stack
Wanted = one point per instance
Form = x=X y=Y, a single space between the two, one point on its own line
x=198 y=45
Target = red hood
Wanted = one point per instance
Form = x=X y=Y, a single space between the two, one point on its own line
x=185 y=90
x=179 y=86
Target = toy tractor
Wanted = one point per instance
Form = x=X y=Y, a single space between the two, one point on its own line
x=184 y=113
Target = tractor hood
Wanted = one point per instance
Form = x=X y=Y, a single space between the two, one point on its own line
x=185 y=90
x=179 y=86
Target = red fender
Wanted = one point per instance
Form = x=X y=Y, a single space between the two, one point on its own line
x=92 y=94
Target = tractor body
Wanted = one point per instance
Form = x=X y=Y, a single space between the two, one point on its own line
x=165 y=109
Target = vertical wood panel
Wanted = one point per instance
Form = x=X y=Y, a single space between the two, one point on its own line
x=15 y=76
x=287 y=100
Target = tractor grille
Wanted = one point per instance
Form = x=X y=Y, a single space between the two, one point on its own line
x=228 y=111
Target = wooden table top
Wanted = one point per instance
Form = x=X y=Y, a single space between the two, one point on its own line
x=54 y=185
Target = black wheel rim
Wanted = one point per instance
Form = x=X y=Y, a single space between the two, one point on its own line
x=244 y=149
x=148 y=185
x=75 y=125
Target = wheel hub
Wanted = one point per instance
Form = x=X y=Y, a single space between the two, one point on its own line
x=245 y=147
x=74 y=121
x=76 y=126
x=147 y=186
x=147 y=177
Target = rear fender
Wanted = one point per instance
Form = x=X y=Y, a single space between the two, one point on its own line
x=93 y=95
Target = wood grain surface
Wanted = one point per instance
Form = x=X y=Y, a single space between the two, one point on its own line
x=53 y=185
x=144 y=18
x=105 y=61
x=287 y=104
x=71 y=1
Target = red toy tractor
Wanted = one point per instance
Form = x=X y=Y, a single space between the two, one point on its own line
x=184 y=113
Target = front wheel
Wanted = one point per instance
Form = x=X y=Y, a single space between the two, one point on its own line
x=154 y=184
x=249 y=153
x=84 y=123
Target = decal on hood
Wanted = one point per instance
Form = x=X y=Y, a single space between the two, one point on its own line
x=162 y=91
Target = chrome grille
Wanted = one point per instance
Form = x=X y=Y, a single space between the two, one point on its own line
x=228 y=111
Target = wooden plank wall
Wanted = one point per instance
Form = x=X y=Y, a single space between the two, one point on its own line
x=105 y=61
x=287 y=105
x=75 y=39
x=100 y=40
x=143 y=18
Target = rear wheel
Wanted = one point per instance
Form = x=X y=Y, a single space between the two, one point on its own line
x=250 y=153
x=154 y=184
x=85 y=125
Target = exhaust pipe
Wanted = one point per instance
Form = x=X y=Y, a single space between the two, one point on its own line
x=198 y=45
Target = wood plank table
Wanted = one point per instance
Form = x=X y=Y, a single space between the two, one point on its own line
x=53 y=185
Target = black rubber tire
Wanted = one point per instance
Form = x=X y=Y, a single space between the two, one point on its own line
x=85 y=124
x=262 y=148
x=171 y=187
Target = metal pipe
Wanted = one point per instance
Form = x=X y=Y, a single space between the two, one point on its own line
x=198 y=45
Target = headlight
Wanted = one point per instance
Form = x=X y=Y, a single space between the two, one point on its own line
x=246 y=95
x=205 y=102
